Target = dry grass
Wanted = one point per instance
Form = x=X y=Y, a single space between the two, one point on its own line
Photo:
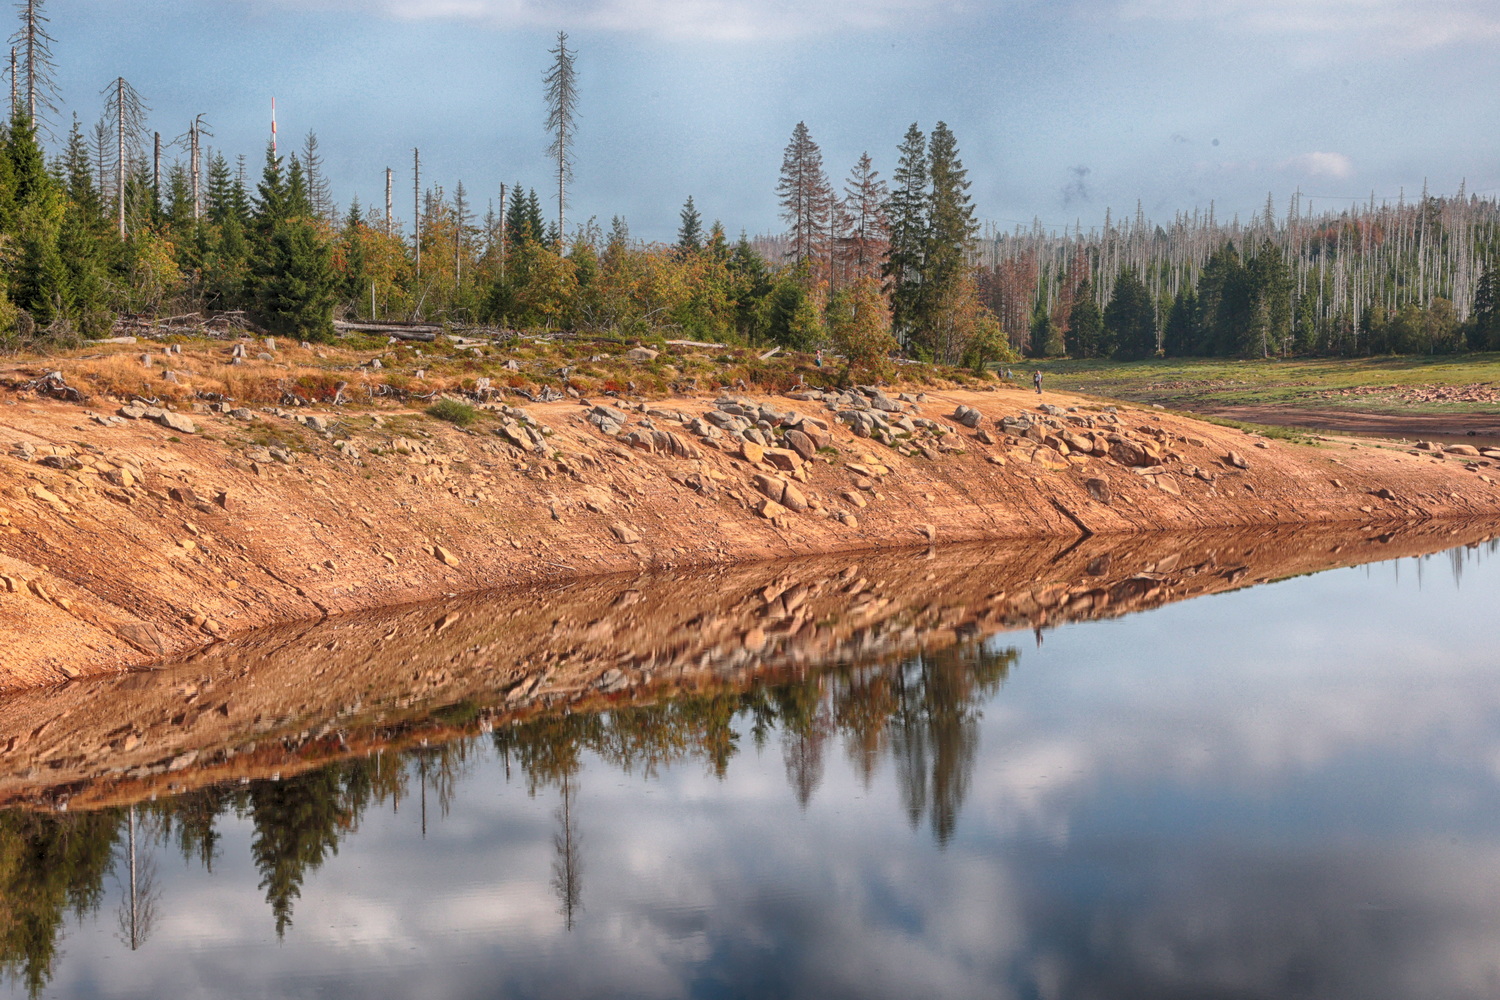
x=203 y=371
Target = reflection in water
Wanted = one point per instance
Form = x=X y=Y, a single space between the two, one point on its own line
x=912 y=718
x=921 y=712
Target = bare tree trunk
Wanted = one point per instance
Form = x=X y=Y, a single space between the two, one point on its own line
x=416 y=200
x=388 y=208
x=156 y=169
x=120 y=165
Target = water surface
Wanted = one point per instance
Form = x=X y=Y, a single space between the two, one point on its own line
x=1290 y=789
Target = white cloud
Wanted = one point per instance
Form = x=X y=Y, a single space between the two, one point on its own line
x=1315 y=164
x=1400 y=24
x=711 y=20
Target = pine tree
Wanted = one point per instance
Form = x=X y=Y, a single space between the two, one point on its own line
x=806 y=199
x=1085 y=324
x=1130 y=318
x=319 y=190
x=296 y=287
x=868 y=239
x=690 y=233
x=1184 y=330
x=907 y=211
x=271 y=194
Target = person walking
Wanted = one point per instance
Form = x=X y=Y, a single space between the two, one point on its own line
x=1036 y=380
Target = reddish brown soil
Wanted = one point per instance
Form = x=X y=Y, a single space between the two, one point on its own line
x=103 y=572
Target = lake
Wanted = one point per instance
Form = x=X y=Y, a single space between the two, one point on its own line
x=1257 y=764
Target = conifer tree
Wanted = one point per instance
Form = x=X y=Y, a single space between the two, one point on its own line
x=1184 y=330
x=296 y=287
x=1085 y=324
x=1130 y=318
x=690 y=233
x=868 y=238
x=806 y=199
x=907 y=212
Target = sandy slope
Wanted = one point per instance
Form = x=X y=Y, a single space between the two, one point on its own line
x=148 y=542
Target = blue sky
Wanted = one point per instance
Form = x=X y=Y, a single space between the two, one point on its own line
x=1061 y=109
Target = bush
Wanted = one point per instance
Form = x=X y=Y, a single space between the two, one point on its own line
x=453 y=411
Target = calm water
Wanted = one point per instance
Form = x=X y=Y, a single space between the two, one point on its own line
x=1289 y=790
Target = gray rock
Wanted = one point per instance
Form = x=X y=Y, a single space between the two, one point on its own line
x=175 y=421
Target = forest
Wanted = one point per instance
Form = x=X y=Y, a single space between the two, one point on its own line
x=110 y=222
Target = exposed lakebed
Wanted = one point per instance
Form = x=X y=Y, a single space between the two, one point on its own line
x=1024 y=770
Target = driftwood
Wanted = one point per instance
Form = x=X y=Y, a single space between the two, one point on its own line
x=401 y=331
x=693 y=343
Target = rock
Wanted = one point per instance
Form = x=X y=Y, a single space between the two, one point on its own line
x=263 y=356
x=1462 y=449
x=752 y=452
x=121 y=477
x=444 y=556
x=1237 y=460
x=968 y=416
x=132 y=411
x=792 y=499
x=176 y=422
x=241 y=413
x=1383 y=493
x=801 y=444
x=641 y=354
x=848 y=520
x=625 y=533
x=770 y=509
x=769 y=486
x=182 y=495
x=1098 y=489
x=784 y=459
x=64 y=462
x=984 y=436
x=1128 y=453
x=1165 y=484
x=927 y=531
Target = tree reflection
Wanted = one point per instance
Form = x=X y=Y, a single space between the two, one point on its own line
x=921 y=712
x=49 y=865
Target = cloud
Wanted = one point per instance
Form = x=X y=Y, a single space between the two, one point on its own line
x=1395 y=24
x=1077 y=189
x=710 y=20
x=1335 y=165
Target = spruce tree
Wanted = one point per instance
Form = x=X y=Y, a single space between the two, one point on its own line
x=1085 y=324
x=1130 y=318
x=806 y=199
x=296 y=287
x=907 y=212
x=1184 y=330
x=690 y=233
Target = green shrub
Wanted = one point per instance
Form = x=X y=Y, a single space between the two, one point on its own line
x=453 y=411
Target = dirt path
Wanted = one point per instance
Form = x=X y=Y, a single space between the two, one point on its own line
x=1454 y=428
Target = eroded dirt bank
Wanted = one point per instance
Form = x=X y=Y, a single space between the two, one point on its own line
x=292 y=697
x=131 y=536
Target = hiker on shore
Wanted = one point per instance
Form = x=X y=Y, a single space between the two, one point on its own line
x=818 y=359
x=1036 y=380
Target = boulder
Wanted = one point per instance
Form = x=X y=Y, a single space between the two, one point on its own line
x=1462 y=449
x=641 y=354
x=444 y=556
x=176 y=422
x=1237 y=460
x=801 y=444
x=792 y=499
x=625 y=533
x=752 y=452
x=1098 y=490
x=784 y=459
x=1128 y=453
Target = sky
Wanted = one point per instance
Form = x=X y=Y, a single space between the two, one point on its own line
x=1062 y=110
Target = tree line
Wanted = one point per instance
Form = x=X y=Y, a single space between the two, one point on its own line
x=108 y=226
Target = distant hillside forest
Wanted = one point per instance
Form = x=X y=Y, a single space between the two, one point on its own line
x=114 y=222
